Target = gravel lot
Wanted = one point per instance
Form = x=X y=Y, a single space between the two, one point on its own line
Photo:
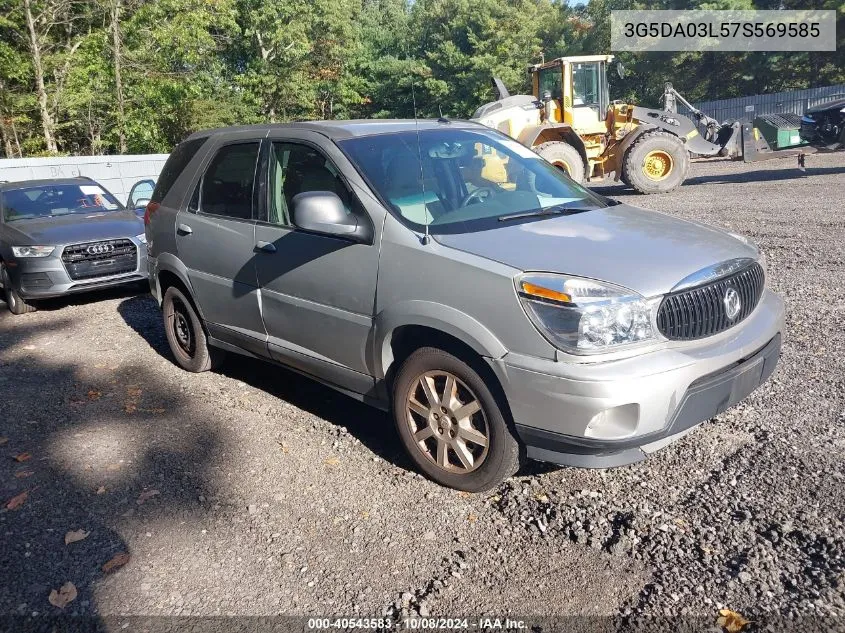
x=256 y=492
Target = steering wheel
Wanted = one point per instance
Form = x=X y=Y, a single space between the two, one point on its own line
x=481 y=194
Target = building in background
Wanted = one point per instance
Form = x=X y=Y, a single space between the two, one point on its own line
x=115 y=173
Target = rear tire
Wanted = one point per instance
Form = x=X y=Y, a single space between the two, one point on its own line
x=565 y=157
x=186 y=334
x=14 y=301
x=657 y=162
x=451 y=424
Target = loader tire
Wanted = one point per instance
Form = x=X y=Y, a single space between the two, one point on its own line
x=565 y=157
x=657 y=162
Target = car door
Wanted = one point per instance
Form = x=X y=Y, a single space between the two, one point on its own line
x=215 y=238
x=317 y=291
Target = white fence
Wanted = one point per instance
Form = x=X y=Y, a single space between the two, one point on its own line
x=115 y=173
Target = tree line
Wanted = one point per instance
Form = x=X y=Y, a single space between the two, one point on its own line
x=136 y=76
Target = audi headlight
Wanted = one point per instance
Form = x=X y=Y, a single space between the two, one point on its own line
x=141 y=238
x=33 y=251
x=586 y=316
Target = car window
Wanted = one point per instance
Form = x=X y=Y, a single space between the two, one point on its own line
x=551 y=79
x=296 y=169
x=228 y=182
x=141 y=191
x=585 y=79
x=176 y=163
x=48 y=201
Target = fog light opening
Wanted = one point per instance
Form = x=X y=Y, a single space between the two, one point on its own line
x=614 y=423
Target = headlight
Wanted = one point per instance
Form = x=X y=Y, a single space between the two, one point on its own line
x=33 y=251
x=586 y=316
x=141 y=238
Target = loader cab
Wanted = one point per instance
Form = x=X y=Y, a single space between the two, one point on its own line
x=578 y=91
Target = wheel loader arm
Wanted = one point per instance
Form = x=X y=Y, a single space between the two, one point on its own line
x=676 y=124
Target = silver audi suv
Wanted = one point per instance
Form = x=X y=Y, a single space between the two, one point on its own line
x=63 y=236
x=443 y=272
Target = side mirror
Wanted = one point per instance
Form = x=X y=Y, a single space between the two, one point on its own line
x=140 y=202
x=323 y=212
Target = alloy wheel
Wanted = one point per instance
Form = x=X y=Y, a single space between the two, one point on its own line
x=447 y=422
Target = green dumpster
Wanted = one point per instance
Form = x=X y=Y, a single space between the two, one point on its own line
x=780 y=130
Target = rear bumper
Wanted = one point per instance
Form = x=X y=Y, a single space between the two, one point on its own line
x=705 y=398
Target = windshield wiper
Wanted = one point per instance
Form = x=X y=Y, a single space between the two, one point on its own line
x=555 y=210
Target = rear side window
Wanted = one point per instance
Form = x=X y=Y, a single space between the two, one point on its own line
x=176 y=163
x=228 y=182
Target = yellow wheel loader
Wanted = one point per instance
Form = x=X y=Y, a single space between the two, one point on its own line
x=571 y=122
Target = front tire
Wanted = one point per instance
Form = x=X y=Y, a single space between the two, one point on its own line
x=186 y=334
x=14 y=301
x=657 y=162
x=564 y=157
x=451 y=424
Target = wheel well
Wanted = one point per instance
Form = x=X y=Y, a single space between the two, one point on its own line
x=406 y=339
x=565 y=134
x=167 y=279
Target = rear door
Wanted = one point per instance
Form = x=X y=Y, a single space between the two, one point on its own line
x=215 y=238
x=317 y=291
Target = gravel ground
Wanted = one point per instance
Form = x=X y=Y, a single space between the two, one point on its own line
x=256 y=492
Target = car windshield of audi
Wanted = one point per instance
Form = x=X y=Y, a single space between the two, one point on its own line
x=64 y=236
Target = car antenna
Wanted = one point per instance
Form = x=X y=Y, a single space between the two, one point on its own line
x=426 y=237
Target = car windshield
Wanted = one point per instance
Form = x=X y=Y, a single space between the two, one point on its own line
x=461 y=180
x=49 y=201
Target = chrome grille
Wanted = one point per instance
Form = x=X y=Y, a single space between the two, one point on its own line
x=100 y=259
x=700 y=312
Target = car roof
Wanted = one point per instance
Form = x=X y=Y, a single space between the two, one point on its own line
x=23 y=184
x=340 y=130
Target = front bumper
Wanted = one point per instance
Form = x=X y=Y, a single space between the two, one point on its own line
x=611 y=413
x=46 y=277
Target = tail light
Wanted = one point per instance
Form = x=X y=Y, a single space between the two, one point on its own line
x=151 y=208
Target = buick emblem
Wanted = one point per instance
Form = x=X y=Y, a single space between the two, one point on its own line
x=99 y=249
x=732 y=303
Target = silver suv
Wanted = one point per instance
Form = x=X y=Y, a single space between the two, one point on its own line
x=63 y=236
x=443 y=272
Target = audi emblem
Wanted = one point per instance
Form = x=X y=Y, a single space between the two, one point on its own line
x=100 y=249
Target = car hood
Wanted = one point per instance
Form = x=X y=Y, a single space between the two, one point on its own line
x=838 y=104
x=645 y=251
x=71 y=229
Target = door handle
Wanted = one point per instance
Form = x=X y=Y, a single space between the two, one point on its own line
x=265 y=247
x=184 y=229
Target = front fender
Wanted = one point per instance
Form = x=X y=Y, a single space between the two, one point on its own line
x=438 y=317
x=535 y=134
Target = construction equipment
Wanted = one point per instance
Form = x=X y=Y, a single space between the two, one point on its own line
x=571 y=122
x=742 y=139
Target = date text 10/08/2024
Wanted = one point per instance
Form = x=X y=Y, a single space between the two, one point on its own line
x=418 y=623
